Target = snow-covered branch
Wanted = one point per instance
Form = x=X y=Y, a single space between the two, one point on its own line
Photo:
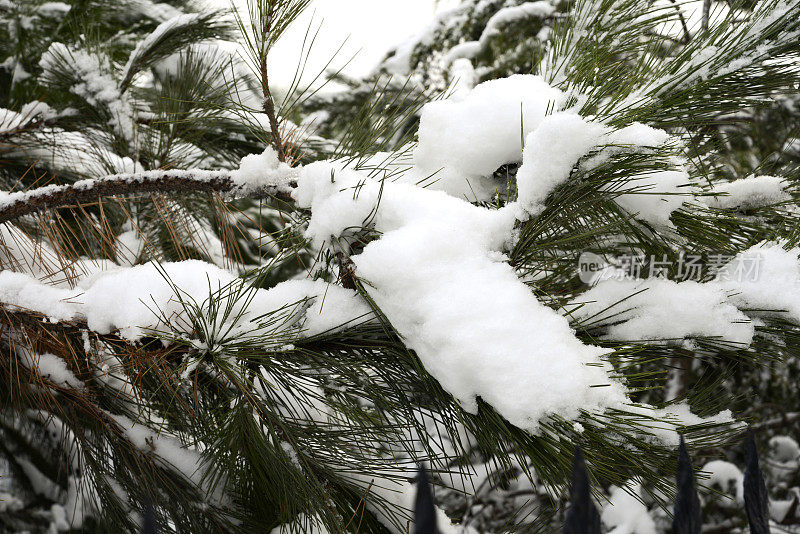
x=15 y=205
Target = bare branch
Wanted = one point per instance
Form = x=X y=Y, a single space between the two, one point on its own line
x=269 y=109
x=706 y=13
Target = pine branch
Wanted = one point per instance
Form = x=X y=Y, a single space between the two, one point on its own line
x=18 y=317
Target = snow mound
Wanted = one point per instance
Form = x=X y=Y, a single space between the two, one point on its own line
x=439 y=276
x=461 y=143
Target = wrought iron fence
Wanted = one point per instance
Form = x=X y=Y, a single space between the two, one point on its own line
x=582 y=516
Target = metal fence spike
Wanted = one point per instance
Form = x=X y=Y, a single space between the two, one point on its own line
x=424 y=509
x=687 y=517
x=149 y=523
x=755 y=492
x=582 y=516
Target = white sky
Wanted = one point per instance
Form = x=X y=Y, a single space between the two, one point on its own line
x=373 y=26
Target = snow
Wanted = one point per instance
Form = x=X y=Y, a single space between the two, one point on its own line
x=19 y=252
x=401 y=494
x=23 y=291
x=463 y=140
x=438 y=275
x=50 y=367
x=399 y=61
x=551 y=151
x=129 y=247
x=169 y=449
x=726 y=477
x=157 y=11
x=8 y=200
x=174 y=24
x=80 y=503
x=625 y=512
x=766 y=279
x=461 y=143
x=259 y=170
x=398 y=493
x=94 y=83
x=784 y=449
x=144 y=297
x=508 y=15
x=653 y=197
x=10 y=120
x=303 y=523
x=54 y=9
x=663 y=423
x=10 y=503
x=658 y=309
x=137 y=300
x=503 y=17
x=149 y=297
x=562 y=139
x=692 y=11
x=463 y=79
x=74 y=152
x=750 y=193
x=466 y=50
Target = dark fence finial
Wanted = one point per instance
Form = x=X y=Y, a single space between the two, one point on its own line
x=582 y=516
x=687 y=517
x=149 y=523
x=424 y=509
x=755 y=492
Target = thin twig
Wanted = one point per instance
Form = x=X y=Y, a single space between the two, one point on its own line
x=269 y=103
x=686 y=35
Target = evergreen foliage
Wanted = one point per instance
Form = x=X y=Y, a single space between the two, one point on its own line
x=229 y=417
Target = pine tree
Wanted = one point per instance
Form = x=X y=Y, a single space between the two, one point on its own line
x=216 y=307
x=757 y=138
